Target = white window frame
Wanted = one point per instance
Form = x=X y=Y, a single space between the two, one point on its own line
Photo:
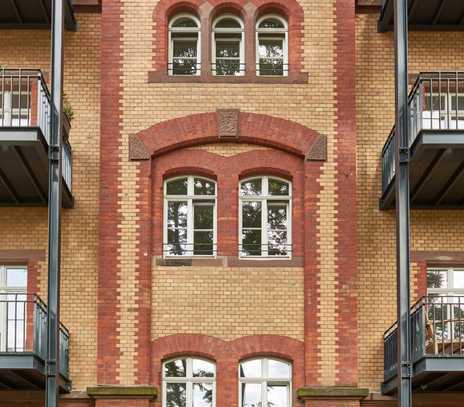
x=184 y=30
x=272 y=31
x=15 y=116
x=265 y=198
x=450 y=277
x=189 y=380
x=4 y=292
x=265 y=379
x=240 y=30
x=190 y=197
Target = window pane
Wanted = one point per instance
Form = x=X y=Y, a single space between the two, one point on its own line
x=185 y=49
x=203 y=216
x=251 y=368
x=458 y=279
x=185 y=22
x=227 y=49
x=278 y=369
x=437 y=279
x=252 y=187
x=251 y=395
x=277 y=187
x=228 y=23
x=177 y=242
x=251 y=242
x=271 y=48
x=251 y=215
x=177 y=214
x=277 y=216
x=277 y=395
x=202 y=368
x=176 y=395
x=204 y=187
x=16 y=277
x=202 y=394
x=177 y=187
x=203 y=243
x=175 y=368
x=271 y=23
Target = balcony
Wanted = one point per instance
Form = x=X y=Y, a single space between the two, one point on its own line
x=25 y=112
x=436 y=144
x=437 y=326
x=23 y=344
x=33 y=14
x=426 y=15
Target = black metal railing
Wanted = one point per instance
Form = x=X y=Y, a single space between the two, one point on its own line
x=182 y=249
x=23 y=328
x=270 y=250
x=228 y=67
x=436 y=102
x=271 y=67
x=184 y=67
x=25 y=102
x=437 y=327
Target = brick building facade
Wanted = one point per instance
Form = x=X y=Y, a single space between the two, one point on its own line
x=131 y=302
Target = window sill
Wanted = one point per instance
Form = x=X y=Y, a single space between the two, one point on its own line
x=297 y=78
x=230 y=261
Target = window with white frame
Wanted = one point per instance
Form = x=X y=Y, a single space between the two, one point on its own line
x=189 y=382
x=184 y=45
x=190 y=217
x=13 y=287
x=265 y=217
x=228 y=46
x=15 y=106
x=265 y=382
x=272 y=46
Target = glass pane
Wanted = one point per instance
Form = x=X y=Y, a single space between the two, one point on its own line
x=202 y=394
x=277 y=395
x=177 y=187
x=203 y=215
x=185 y=22
x=16 y=277
x=177 y=242
x=177 y=214
x=277 y=187
x=203 y=243
x=271 y=48
x=279 y=370
x=227 y=49
x=184 y=66
x=228 y=23
x=251 y=368
x=202 y=368
x=277 y=216
x=176 y=395
x=227 y=67
x=176 y=368
x=204 y=187
x=437 y=279
x=251 y=215
x=458 y=278
x=251 y=242
x=184 y=49
x=251 y=395
x=252 y=187
x=271 y=23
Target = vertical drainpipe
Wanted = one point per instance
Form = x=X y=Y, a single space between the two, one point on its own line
x=404 y=365
x=54 y=206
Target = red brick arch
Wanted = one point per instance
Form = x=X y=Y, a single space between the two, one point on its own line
x=204 y=128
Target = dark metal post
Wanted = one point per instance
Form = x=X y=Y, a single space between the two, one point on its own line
x=54 y=207
x=402 y=204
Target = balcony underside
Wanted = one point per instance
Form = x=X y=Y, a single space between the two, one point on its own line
x=436 y=172
x=25 y=371
x=24 y=169
x=427 y=15
x=32 y=14
x=433 y=374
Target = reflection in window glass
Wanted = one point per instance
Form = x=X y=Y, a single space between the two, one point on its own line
x=228 y=46
x=184 y=46
x=272 y=46
x=277 y=395
x=202 y=395
x=251 y=368
x=176 y=395
x=251 y=395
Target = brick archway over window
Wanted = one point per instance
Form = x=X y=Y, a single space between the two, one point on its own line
x=250 y=10
x=228 y=126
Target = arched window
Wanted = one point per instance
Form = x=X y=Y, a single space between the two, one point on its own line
x=190 y=217
x=265 y=217
x=272 y=46
x=184 y=45
x=265 y=382
x=189 y=382
x=228 y=46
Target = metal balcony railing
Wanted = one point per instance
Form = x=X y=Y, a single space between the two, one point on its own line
x=25 y=102
x=436 y=102
x=437 y=327
x=23 y=328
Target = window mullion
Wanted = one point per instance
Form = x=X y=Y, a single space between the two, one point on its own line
x=190 y=227
x=189 y=395
x=264 y=228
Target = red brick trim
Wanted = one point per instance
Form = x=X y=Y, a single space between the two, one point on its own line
x=109 y=218
x=227 y=356
x=203 y=128
x=250 y=10
x=346 y=364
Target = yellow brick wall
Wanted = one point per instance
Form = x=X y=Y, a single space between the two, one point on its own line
x=26 y=228
x=431 y=230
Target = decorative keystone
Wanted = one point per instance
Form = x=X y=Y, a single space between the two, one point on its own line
x=228 y=121
x=124 y=392
x=325 y=393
